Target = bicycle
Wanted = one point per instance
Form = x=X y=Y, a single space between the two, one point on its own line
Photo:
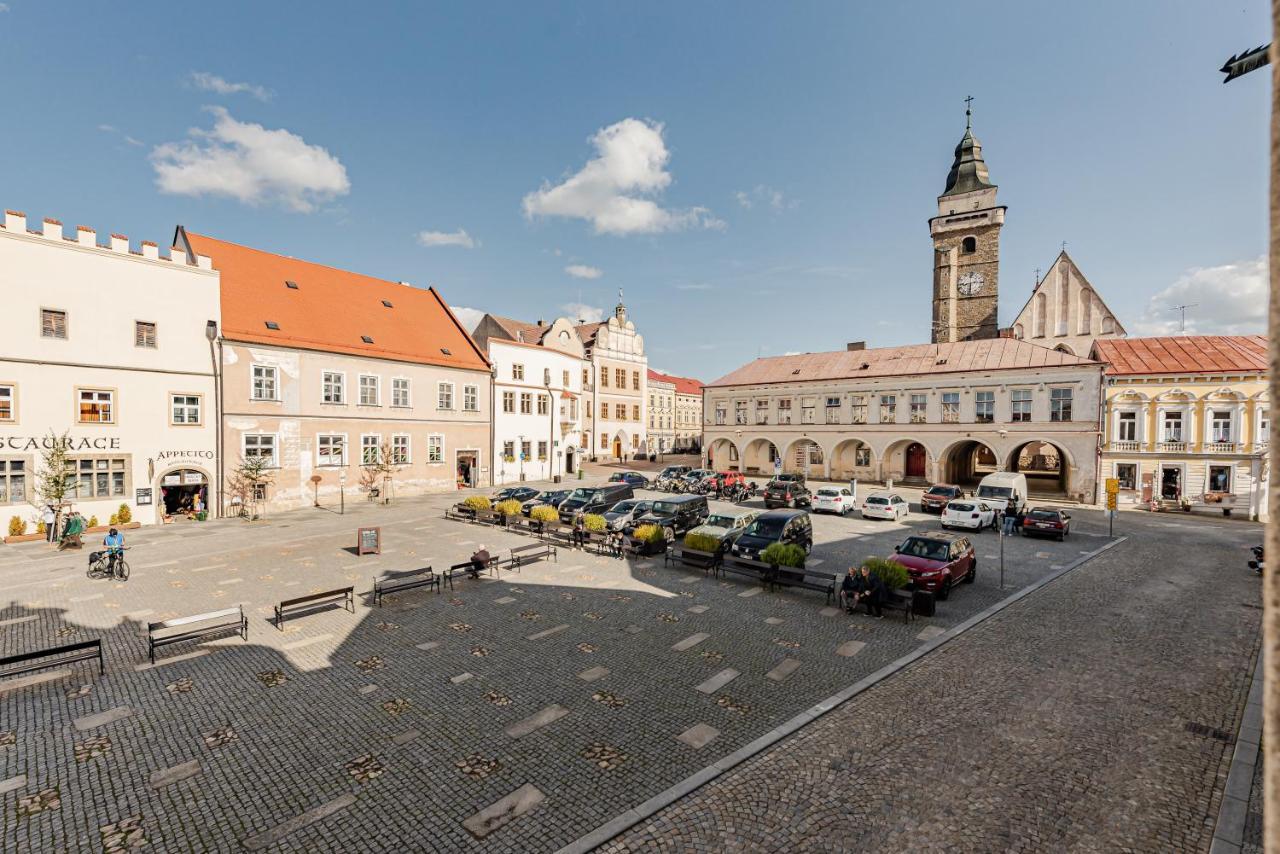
x=100 y=565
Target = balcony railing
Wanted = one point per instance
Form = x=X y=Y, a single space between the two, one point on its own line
x=1126 y=445
x=1172 y=447
x=1220 y=447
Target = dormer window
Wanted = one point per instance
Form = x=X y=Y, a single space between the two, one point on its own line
x=445 y=350
x=387 y=303
x=272 y=325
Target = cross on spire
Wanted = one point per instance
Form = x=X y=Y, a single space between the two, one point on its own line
x=1064 y=246
x=968 y=112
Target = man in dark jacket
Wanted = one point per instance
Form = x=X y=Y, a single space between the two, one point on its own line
x=479 y=562
x=871 y=592
x=849 y=590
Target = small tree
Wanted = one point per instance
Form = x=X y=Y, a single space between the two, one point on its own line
x=377 y=471
x=247 y=481
x=55 y=479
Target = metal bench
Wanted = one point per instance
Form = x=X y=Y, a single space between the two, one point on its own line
x=694 y=558
x=523 y=525
x=599 y=540
x=897 y=602
x=749 y=567
x=399 y=582
x=466 y=567
x=227 y=620
x=522 y=554
x=343 y=595
x=29 y=662
x=460 y=513
x=790 y=576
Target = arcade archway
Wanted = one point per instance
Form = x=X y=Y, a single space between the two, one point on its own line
x=760 y=456
x=723 y=456
x=966 y=463
x=852 y=458
x=1046 y=466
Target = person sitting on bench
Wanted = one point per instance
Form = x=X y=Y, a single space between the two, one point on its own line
x=479 y=562
x=615 y=543
x=871 y=591
x=849 y=590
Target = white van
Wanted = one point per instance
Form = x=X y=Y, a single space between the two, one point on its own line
x=998 y=487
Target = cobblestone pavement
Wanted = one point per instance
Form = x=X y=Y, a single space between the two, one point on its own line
x=1095 y=715
x=512 y=714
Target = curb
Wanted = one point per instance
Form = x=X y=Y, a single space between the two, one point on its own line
x=1228 y=833
x=665 y=798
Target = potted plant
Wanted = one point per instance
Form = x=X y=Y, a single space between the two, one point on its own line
x=506 y=509
x=703 y=543
x=892 y=574
x=783 y=555
x=474 y=503
x=649 y=539
x=542 y=514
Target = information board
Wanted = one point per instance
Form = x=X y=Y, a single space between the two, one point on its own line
x=143 y=497
x=368 y=541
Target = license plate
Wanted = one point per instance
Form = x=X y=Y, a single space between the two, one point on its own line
x=1043 y=525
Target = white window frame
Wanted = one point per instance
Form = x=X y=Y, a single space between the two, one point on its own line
x=138 y=326
x=980 y=403
x=509 y=397
x=444 y=396
x=341 y=387
x=435 y=449
x=1014 y=403
x=376 y=386
x=526 y=403
x=256 y=381
x=517 y=371
x=1055 y=413
x=1214 y=421
x=544 y=404
x=321 y=458
x=1231 y=475
x=66 y=324
x=471 y=398
x=273 y=459
x=401 y=442
x=173 y=408
x=398 y=385
x=1121 y=421
x=110 y=404
x=1183 y=426
x=1115 y=472
x=366 y=446
x=9 y=392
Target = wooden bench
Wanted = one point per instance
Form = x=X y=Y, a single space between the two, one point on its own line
x=694 y=558
x=401 y=581
x=345 y=595
x=460 y=513
x=790 y=576
x=522 y=554
x=487 y=517
x=29 y=662
x=599 y=540
x=217 y=622
x=894 y=601
x=747 y=566
x=522 y=525
x=465 y=567
x=561 y=535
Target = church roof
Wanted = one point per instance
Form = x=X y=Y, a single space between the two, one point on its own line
x=969 y=170
x=1182 y=354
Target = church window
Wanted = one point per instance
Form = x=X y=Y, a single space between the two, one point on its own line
x=969 y=245
x=1108 y=325
x=1064 y=304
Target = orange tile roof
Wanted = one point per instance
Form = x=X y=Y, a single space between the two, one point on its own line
x=529 y=333
x=1182 y=354
x=332 y=310
x=993 y=354
x=684 y=385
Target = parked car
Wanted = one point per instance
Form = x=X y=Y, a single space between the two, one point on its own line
x=726 y=526
x=514 y=493
x=1047 y=522
x=789 y=477
x=675 y=471
x=551 y=498
x=935 y=498
x=1001 y=486
x=969 y=513
x=594 y=499
x=674 y=515
x=884 y=505
x=834 y=499
x=937 y=561
x=774 y=526
x=621 y=514
x=634 y=478
x=693 y=476
x=786 y=491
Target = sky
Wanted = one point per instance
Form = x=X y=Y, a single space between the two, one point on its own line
x=756 y=178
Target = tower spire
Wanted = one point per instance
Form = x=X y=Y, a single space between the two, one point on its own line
x=968 y=170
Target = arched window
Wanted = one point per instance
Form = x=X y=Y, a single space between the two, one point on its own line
x=968 y=246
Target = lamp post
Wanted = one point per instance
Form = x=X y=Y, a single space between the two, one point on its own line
x=342 y=492
x=521 y=437
x=551 y=424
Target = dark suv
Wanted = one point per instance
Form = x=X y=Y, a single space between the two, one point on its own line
x=775 y=526
x=594 y=499
x=935 y=498
x=674 y=515
x=787 y=490
x=937 y=561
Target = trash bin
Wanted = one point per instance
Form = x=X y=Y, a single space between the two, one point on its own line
x=923 y=603
x=555 y=478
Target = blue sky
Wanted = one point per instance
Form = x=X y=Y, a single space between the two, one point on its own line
x=762 y=172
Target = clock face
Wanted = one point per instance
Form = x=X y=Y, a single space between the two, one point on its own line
x=970 y=284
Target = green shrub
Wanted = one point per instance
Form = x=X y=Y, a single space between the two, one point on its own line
x=650 y=534
x=544 y=513
x=702 y=542
x=594 y=522
x=17 y=526
x=93 y=521
x=41 y=528
x=124 y=515
x=891 y=573
x=783 y=554
x=510 y=507
x=113 y=520
x=477 y=502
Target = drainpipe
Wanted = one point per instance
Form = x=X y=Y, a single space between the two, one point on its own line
x=493 y=457
x=215 y=356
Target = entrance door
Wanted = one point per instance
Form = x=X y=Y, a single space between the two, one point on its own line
x=915 y=460
x=468 y=465
x=184 y=493
x=1170 y=483
x=617 y=448
x=568 y=461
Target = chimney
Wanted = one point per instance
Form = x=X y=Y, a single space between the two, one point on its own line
x=120 y=243
x=541 y=322
x=150 y=250
x=52 y=229
x=854 y=346
x=15 y=221
x=86 y=236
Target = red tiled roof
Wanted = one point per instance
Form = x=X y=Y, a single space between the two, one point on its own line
x=529 y=333
x=587 y=331
x=684 y=385
x=1182 y=354
x=993 y=354
x=333 y=310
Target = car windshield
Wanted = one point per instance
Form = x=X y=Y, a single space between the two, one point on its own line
x=940 y=490
x=672 y=471
x=1044 y=515
x=766 y=527
x=580 y=494
x=665 y=508
x=874 y=500
x=718 y=521
x=962 y=508
x=994 y=491
x=624 y=507
x=927 y=549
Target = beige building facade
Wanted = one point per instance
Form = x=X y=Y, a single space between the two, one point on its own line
x=616 y=384
x=1065 y=312
x=662 y=414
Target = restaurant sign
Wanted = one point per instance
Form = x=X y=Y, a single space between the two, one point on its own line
x=70 y=443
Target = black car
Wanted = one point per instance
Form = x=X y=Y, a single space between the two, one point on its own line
x=674 y=515
x=515 y=493
x=551 y=498
x=787 y=491
x=775 y=526
x=633 y=478
x=594 y=499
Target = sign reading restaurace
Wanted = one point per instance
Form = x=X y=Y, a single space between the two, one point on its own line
x=36 y=443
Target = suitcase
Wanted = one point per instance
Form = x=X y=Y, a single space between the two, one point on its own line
x=923 y=603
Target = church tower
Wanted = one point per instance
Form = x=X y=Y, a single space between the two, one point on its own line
x=966 y=248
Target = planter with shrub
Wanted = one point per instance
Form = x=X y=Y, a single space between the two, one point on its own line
x=474 y=503
x=507 y=508
x=892 y=575
x=783 y=554
x=544 y=513
x=595 y=523
x=703 y=543
x=649 y=539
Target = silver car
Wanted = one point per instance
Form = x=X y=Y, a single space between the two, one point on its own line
x=621 y=514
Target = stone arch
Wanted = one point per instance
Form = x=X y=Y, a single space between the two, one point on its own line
x=174 y=487
x=906 y=459
x=966 y=461
x=850 y=459
x=1047 y=465
x=969 y=245
x=619 y=445
x=1063 y=348
x=723 y=455
x=805 y=456
x=758 y=456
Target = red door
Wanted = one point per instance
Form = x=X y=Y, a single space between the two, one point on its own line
x=915 y=460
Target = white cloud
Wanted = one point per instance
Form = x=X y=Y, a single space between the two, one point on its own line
x=251 y=164
x=447 y=238
x=469 y=317
x=695 y=286
x=763 y=195
x=1227 y=300
x=213 y=83
x=107 y=128
x=613 y=191
x=112 y=129
x=4 y=7
x=585 y=313
x=582 y=271
x=133 y=141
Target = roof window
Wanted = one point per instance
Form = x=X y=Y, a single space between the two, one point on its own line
x=445 y=350
x=290 y=284
x=796 y=371
x=366 y=339
x=387 y=303
x=271 y=324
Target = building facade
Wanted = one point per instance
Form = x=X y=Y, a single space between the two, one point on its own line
x=688 y=415
x=930 y=413
x=109 y=351
x=615 y=382
x=662 y=413
x=342 y=383
x=1065 y=312
x=1186 y=421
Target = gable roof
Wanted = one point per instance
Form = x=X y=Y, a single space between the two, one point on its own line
x=1050 y=275
x=587 y=331
x=332 y=310
x=994 y=354
x=683 y=385
x=530 y=333
x=1182 y=354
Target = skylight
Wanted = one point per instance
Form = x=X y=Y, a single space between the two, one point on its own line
x=271 y=324
x=445 y=350
x=290 y=284
x=366 y=339
x=387 y=303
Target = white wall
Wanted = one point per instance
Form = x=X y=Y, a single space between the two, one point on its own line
x=511 y=426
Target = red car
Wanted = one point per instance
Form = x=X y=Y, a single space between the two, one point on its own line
x=935 y=498
x=1046 y=522
x=730 y=478
x=937 y=561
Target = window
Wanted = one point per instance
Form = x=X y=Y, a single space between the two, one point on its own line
x=722 y=414
x=260 y=446
x=573 y=409
x=97 y=406
x=1219 y=479
x=444 y=396
x=1221 y=426
x=370 y=391
x=53 y=323
x=740 y=412
x=1127 y=427
x=1127 y=474
x=400 y=392
x=508 y=401
x=264 y=386
x=525 y=449
x=1264 y=427
x=833 y=410
x=400 y=450
x=762 y=412
x=186 y=408
x=508 y=450
x=435 y=449
x=604 y=410
x=544 y=404
x=517 y=372
x=968 y=246
x=331 y=450
x=144 y=334
x=7 y=394
x=620 y=377
x=1020 y=403
x=586 y=377
x=604 y=377
x=620 y=411
x=1060 y=404
x=333 y=387
x=888 y=408
x=99 y=477
x=604 y=440
x=862 y=456
x=259 y=492
x=635 y=412
x=635 y=380
x=542 y=449
x=1173 y=427
x=984 y=404
x=806 y=412
x=564 y=379
x=526 y=403
x=919 y=403
x=470 y=398
x=784 y=410
x=370 y=449
x=858 y=409
x=950 y=407
x=13 y=481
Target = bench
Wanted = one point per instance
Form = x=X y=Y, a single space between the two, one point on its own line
x=460 y=513
x=398 y=582
x=523 y=525
x=562 y=535
x=522 y=554
x=487 y=517
x=790 y=576
x=218 y=622
x=752 y=568
x=29 y=662
x=599 y=540
x=694 y=558
x=898 y=602
x=465 y=566
x=345 y=595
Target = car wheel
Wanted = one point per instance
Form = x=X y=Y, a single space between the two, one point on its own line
x=944 y=589
x=669 y=533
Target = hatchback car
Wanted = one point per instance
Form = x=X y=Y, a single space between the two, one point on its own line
x=515 y=493
x=935 y=498
x=550 y=498
x=786 y=491
x=833 y=499
x=938 y=561
x=774 y=526
x=621 y=514
x=968 y=513
x=884 y=505
x=727 y=526
x=632 y=478
x=1047 y=522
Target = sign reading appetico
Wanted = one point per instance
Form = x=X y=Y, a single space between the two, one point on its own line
x=164 y=456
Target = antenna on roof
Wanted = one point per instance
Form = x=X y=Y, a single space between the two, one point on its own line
x=1182 y=324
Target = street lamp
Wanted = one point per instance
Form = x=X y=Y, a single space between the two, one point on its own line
x=342 y=490
x=551 y=424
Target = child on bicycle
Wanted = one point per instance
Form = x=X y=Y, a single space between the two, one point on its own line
x=114 y=542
